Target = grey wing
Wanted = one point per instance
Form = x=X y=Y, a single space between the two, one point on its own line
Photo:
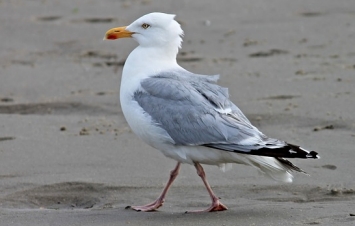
x=194 y=111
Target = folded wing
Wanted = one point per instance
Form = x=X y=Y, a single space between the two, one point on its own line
x=193 y=110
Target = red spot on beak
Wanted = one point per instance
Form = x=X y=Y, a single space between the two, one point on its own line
x=111 y=37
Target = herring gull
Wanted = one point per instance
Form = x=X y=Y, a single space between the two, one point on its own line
x=187 y=116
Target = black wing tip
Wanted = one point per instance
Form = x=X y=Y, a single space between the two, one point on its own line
x=313 y=155
x=303 y=153
x=287 y=151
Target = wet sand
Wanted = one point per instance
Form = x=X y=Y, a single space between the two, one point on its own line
x=67 y=156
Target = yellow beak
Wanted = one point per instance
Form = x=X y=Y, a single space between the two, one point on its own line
x=118 y=32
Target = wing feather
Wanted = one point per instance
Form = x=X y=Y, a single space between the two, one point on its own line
x=193 y=110
x=189 y=110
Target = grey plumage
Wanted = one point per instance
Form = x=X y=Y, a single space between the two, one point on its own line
x=194 y=110
x=188 y=117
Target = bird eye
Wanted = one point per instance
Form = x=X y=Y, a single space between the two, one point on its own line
x=145 y=26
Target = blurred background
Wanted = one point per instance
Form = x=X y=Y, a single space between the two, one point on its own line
x=289 y=65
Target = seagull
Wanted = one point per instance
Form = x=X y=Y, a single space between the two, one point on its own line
x=187 y=116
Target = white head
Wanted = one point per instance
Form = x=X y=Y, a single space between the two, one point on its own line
x=157 y=30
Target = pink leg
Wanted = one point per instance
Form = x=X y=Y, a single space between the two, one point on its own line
x=160 y=200
x=216 y=204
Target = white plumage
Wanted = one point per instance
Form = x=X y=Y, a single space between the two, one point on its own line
x=187 y=116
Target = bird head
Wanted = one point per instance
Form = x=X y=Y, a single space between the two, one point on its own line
x=151 y=30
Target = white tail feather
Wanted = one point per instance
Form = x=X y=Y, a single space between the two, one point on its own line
x=271 y=167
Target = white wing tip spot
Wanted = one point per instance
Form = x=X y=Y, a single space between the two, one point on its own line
x=224 y=111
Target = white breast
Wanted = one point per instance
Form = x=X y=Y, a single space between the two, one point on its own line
x=135 y=70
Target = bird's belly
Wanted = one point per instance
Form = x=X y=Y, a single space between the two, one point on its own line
x=201 y=154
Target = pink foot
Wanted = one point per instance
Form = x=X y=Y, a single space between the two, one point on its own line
x=215 y=206
x=160 y=200
x=149 y=207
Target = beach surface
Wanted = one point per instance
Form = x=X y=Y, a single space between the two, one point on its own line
x=68 y=157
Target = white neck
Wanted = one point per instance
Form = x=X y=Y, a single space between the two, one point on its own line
x=142 y=63
x=149 y=61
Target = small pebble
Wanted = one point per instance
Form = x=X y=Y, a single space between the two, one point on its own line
x=335 y=191
x=300 y=72
x=84 y=131
x=258 y=118
x=6 y=99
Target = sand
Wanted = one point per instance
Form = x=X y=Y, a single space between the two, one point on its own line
x=67 y=156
